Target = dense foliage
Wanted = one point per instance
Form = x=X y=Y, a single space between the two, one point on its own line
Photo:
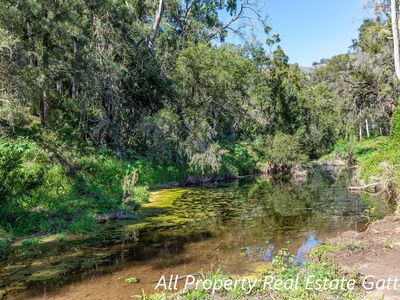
x=363 y=83
x=395 y=130
x=101 y=100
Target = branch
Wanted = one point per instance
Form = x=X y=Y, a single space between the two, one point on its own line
x=360 y=188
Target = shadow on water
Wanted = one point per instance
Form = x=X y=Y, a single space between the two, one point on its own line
x=229 y=224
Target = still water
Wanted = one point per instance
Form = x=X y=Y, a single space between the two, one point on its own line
x=237 y=226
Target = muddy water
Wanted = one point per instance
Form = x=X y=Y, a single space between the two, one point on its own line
x=236 y=226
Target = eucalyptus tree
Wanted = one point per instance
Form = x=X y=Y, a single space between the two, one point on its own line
x=395 y=31
x=84 y=65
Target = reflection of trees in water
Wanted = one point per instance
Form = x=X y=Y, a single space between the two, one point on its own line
x=267 y=252
x=322 y=200
x=259 y=215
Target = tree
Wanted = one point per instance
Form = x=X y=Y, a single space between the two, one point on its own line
x=395 y=31
x=156 y=25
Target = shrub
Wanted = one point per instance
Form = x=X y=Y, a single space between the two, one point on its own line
x=20 y=169
x=134 y=196
x=395 y=130
x=30 y=242
x=209 y=161
x=285 y=150
x=284 y=154
x=150 y=173
x=4 y=247
x=240 y=161
x=83 y=224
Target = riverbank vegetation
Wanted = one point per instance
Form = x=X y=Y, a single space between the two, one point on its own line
x=290 y=281
x=101 y=102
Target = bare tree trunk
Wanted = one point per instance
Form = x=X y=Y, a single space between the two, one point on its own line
x=44 y=103
x=44 y=108
x=380 y=131
x=395 y=31
x=367 y=127
x=360 y=131
x=74 y=89
x=156 y=25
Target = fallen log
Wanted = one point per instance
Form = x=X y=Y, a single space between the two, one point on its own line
x=118 y=215
x=360 y=188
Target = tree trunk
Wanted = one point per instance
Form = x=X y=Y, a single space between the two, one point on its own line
x=74 y=89
x=360 y=132
x=367 y=127
x=44 y=107
x=156 y=24
x=395 y=31
x=44 y=103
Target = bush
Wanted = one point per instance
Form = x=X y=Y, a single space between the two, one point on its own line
x=240 y=160
x=286 y=150
x=30 y=242
x=284 y=154
x=20 y=169
x=150 y=173
x=208 y=161
x=134 y=196
x=395 y=130
x=4 y=247
x=83 y=224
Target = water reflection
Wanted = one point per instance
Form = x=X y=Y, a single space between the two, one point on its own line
x=267 y=253
x=284 y=215
x=228 y=225
x=305 y=249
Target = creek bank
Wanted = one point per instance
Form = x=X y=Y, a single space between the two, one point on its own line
x=193 y=180
x=295 y=174
x=374 y=252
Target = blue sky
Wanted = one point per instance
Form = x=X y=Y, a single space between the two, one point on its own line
x=314 y=29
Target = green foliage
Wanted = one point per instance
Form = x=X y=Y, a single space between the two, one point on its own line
x=321 y=250
x=162 y=135
x=4 y=247
x=285 y=150
x=395 y=129
x=209 y=161
x=140 y=195
x=20 y=169
x=132 y=280
x=373 y=36
x=196 y=295
x=213 y=85
x=93 y=118
x=83 y=224
x=151 y=173
x=30 y=242
x=240 y=160
x=318 y=134
x=362 y=84
x=38 y=196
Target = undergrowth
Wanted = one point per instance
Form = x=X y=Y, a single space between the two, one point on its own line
x=39 y=195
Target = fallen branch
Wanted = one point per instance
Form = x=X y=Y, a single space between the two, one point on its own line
x=360 y=188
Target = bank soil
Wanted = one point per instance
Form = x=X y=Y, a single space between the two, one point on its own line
x=374 y=252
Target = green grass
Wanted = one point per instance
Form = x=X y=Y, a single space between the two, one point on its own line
x=370 y=154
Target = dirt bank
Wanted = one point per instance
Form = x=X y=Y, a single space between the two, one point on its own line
x=375 y=252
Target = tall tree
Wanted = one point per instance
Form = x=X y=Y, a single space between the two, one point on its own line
x=395 y=31
x=156 y=24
